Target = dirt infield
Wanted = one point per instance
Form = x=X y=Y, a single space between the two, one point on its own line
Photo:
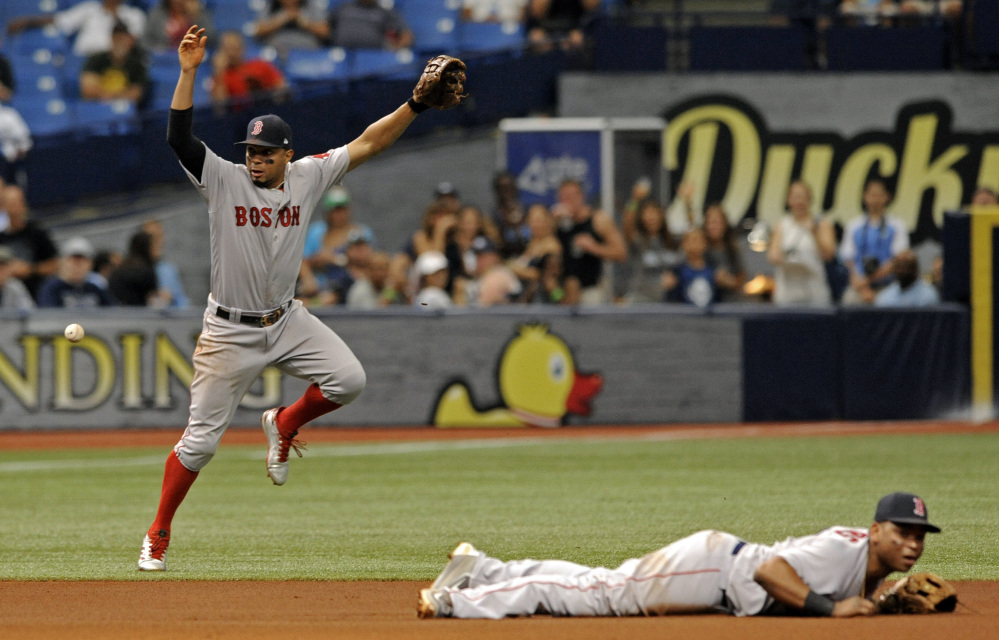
x=168 y=610
x=305 y=610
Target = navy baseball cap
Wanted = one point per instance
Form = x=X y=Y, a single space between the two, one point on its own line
x=268 y=131
x=904 y=508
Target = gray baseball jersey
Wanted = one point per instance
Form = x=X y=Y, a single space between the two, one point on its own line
x=257 y=239
x=706 y=571
x=258 y=235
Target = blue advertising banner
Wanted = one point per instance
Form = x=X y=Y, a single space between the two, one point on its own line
x=541 y=160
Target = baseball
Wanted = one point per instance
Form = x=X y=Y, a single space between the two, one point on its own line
x=74 y=332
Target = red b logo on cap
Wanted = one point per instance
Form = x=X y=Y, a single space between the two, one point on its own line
x=258 y=126
x=919 y=508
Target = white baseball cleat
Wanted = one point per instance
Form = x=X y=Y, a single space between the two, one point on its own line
x=459 y=569
x=434 y=603
x=278 y=447
x=154 y=549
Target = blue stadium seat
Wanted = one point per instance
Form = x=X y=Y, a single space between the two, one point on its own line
x=387 y=64
x=38 y=75
x=489 y=36
x=44 y=116
x=236 y=15
x=31 y=40
x=14 y=8
x=433 y=23
x=111 y=118
x=72 y=65
x=305 y=67
x=748 y=49
x=909 y=48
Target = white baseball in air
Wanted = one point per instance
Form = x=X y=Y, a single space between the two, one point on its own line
x=74 y=332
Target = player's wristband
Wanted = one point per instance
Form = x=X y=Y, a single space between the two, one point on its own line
x=819 y=605
x=417 y=107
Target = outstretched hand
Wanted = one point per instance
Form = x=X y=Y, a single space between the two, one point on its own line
x=191 y=50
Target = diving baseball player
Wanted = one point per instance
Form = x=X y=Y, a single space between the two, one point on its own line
x=832 y=573
x=258 y=214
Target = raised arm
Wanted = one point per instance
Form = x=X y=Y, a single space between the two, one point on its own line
x=440 y=86
x=190 y=52
x=784 y=585
x=379 y=136
x=190 y=151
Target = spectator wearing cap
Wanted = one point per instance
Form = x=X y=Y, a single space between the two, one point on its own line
x=89 y=23
x=119 y=73
x=35 y=256
x=334 y=282
x=326 y=239
x=13 y=294
x=71 y=287
x=494 y=282
x=447 y=196
x=430 y=275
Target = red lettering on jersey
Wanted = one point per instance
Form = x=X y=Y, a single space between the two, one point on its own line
x=265 y=217
x=283 y=217
x=852 y=534
x=255 y=216
x=240 y=216
x=294 y=216
x=322 y=156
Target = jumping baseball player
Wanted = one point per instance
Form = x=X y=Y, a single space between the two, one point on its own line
x=832 y=573
x=258 y=215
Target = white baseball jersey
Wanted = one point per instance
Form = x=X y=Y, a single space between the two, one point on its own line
x=258 y=235
x=704 y=572
x=832 y=562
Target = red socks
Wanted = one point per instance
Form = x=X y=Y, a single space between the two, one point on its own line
x=177 y=479
x=310 y=406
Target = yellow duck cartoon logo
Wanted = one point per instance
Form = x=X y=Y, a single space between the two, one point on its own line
x=538 y=382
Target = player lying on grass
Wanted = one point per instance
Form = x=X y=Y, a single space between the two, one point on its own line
x=832 y=573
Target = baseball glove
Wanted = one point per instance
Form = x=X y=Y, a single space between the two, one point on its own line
x=919 y=593
x=442 y=84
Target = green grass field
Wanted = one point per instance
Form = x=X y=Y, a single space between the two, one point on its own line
x=393 y=511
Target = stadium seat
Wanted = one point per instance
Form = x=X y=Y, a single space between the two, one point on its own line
x=489 y=36
x=433 y=23
x=14 y=8
x=44 y=116
x=30 y=40
x=38 y=75
x=111 y=118
x=747 y=49
x=306 y=67
x=387 y=64
x=72 y=65
x=236 y=15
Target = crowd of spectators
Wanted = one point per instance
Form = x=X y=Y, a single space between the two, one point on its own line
x=573 y=253
x=37 y=272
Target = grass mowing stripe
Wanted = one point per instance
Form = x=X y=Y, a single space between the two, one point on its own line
x=373 y=516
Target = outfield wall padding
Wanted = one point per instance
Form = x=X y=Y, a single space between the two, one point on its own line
x=658 y=364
